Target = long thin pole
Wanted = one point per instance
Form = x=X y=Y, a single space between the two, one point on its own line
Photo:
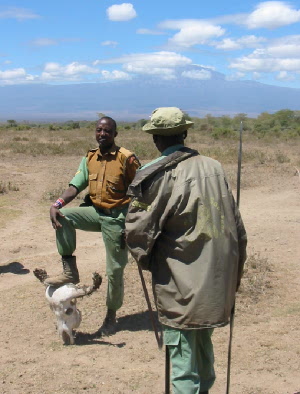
x=238 y=181
x=167 y=372
x=233 y=308
x=159 y=342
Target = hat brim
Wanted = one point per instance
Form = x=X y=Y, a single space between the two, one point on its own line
x=148 y=128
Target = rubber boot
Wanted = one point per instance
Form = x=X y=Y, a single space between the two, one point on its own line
x=69 y=275
x=109 y=324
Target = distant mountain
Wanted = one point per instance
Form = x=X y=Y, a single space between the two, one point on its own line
x=135 y=99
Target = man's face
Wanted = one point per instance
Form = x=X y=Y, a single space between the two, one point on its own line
x=105 y=133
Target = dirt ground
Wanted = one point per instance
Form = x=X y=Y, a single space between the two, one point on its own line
x=266 y=344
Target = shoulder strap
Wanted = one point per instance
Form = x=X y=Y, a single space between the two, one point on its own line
x=168 y=161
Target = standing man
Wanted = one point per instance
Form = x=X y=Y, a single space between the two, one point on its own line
x=184 y=226
x=107 y=171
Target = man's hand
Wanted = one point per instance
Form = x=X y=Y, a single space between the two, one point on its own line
x=54 y=214
x=67 y=196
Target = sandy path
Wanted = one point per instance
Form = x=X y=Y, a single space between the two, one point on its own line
x=266 y=348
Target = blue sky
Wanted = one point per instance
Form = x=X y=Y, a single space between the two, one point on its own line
x=59 y=42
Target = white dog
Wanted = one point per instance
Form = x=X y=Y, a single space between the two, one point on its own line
x=62 y=302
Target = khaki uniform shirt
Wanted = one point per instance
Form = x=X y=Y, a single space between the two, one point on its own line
x=107 y=175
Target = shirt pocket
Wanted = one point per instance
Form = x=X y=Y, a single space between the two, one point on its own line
x=115 y=187
x=93 y=184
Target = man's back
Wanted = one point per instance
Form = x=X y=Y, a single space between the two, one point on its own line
x=194 y=221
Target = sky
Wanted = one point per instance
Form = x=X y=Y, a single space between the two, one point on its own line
x=64 y=42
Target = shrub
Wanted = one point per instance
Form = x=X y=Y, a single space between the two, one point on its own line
x=256 y=278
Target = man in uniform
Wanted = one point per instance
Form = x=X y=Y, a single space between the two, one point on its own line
x=107 y=171
x=184 y=226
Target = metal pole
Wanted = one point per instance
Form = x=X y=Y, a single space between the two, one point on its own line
x=238 y=183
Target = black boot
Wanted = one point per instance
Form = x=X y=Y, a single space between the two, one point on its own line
x=109 y=324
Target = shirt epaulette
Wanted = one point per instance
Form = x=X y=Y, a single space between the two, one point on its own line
x=91 y=150
x=126 y=152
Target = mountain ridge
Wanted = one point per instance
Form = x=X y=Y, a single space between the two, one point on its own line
x=136 y=98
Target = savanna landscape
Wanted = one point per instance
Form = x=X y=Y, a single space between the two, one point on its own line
x=37 y=162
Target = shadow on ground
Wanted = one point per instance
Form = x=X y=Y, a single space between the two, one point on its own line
x=138 y=322
x=83 y=338
x=14 y=268
x=135 y=322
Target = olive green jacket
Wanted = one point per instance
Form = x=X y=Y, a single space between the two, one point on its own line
x=184 y=226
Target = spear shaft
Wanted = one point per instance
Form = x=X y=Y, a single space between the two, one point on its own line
x=238 y=190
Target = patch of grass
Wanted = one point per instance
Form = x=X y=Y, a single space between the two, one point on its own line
x=6 y=187
x=225 y=154
x=18 y=138
x=54 y=194
x=256 y=279
x=145 y=152
x=220 y=132
x=8 y=214
x=282 y=157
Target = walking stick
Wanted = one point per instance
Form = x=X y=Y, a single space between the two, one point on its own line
x=167 y=372
x=159 y=342
x=238 y=183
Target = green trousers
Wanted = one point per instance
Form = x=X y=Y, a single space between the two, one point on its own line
x=88 y=218
x=192 y=359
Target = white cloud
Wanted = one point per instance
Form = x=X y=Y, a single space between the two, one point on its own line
x=235 y=77
x=280 y=55
x=43 y=42
x=71 y=72
x=250 y=41
x=150 y=32
x=256 y=75
x=197 y=74
x=272 y=14
x=162 y=72
x=284 y=76
x=156 y=63
x=109 y=43
x=261 y=64
x=19 y=14
x=205 y=66
x=154 y=59
x=15 y=76
x=227 y=44
x=115 y=75
x=121 y=12
x=192 y=32
x=288 y=46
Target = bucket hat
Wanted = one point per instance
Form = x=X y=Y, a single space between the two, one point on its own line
x=167 y=121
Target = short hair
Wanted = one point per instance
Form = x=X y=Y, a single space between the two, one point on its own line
x=109 y=118
x=173 y=139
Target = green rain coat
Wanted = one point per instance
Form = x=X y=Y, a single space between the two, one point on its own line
x=185 y=227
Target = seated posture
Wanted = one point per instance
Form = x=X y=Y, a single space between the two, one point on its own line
x=184 y=226
x=107 y=171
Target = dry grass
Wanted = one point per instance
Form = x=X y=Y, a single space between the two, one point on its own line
x=256 y=280
x=58 y=141
x=6 y=187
